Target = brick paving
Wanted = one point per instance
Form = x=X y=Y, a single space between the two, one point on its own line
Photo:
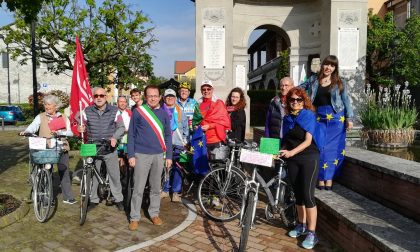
x=106 y=229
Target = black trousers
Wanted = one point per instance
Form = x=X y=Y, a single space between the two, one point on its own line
x=303 y=175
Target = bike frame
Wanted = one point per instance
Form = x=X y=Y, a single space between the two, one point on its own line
x=250 y=185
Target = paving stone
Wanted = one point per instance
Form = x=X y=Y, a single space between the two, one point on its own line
x=186 y=247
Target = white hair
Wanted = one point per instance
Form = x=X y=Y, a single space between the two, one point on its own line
x=52 y=99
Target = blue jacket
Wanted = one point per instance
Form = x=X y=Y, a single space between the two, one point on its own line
x=142 y=138
x=339 y=101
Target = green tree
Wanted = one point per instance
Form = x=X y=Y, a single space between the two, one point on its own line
x=284 y=66
x=29 y=9
x=392 y=54
x=114 y=39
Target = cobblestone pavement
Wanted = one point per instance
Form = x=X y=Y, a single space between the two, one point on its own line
x=106 y=228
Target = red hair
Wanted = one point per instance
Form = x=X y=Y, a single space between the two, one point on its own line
x=307 y=104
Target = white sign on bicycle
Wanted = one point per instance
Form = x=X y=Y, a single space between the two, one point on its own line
x=37 y=143
x=257 y=158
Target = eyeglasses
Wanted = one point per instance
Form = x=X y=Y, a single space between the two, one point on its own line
x=205 y=89
x=298 y=100
x=99 y=95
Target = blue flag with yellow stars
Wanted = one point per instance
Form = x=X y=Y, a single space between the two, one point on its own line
x=199 y=149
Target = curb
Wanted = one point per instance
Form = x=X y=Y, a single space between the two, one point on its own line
x=192 y=215
x=15 y=216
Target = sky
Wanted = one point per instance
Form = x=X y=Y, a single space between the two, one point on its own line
x=174 y=22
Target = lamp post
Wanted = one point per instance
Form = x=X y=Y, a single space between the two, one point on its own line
x=8 y=69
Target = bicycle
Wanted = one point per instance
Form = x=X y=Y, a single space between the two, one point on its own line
x=40 y=175
x=220 y=192
x=282 y=204
x=90 y=152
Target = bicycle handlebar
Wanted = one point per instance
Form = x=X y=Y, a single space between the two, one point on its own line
x=27 y=134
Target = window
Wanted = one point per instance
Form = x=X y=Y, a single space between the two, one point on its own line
x=4 y=59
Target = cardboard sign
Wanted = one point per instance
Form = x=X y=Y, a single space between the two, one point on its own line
x=37 y=143
x=270 y=145
x=257 y=158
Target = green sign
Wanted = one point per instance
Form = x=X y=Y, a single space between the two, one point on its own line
x=88 y=150
x=269 y=145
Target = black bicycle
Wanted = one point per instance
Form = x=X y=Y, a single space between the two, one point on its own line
x=90 y=152
x=220 y=192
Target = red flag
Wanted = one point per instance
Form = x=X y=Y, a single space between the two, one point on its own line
x=80 y=89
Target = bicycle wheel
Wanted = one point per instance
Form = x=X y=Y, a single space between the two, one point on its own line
x=247 y=220
x=43 y=194
x=288 y=213
x=85 y=187
x=220 y=193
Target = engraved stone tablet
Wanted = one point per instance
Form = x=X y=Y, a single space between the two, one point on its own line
x=348 y=47
x=214 y=47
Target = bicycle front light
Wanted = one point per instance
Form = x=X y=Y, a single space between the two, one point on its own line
x=48 y=166
x=89 y=160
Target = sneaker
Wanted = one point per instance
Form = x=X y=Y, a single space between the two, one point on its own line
x=176 y=197
x=164 y=195
x=133 y=225
x=120 y=206
x=299 y=230
x=156 y=221
x=70 y=201
x=310 y=241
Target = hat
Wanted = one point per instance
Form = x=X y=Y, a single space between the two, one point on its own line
x=185 y=85
x=169 y=92
x=207 y=82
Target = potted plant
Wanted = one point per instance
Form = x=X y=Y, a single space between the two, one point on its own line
x=388 y=117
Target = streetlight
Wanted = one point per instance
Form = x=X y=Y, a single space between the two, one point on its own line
x=8 y=69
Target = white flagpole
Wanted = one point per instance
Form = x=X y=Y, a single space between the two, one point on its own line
x=81 y=119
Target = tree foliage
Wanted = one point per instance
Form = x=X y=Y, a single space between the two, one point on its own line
x=392 y=54
x=29 y=9
x=114 y=39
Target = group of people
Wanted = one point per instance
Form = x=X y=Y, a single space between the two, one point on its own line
x=148 y=133
x=310 y=120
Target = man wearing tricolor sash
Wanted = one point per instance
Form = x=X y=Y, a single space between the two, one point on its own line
x=149 y=150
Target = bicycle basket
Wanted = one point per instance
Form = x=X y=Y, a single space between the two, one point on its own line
x=88 y=150
x=49 y=156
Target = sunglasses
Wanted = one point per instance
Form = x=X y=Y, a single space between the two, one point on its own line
x=99 y=95
x=298 y=100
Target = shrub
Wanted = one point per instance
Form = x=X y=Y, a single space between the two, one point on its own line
x=64 y=97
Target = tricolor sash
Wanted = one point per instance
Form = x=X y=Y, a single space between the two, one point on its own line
x=154 y=123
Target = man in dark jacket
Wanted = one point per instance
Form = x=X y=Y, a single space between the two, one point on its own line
x=150 y=138
x=275 y=113
x=100 y=123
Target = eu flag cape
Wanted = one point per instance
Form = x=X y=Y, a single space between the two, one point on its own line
x=198 y=145
x=306 y=119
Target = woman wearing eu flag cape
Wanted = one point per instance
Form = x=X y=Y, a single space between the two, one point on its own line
x=330 y=97
x=300 y=149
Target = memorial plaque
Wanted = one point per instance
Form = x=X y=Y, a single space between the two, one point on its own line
x=240 y=76
x=348 y=47
x=214 y=47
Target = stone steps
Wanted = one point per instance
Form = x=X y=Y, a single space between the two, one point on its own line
x=357 y=223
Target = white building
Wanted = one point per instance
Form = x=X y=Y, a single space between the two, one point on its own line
x=21 y=78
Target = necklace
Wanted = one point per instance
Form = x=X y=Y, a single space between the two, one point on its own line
x=325 y=82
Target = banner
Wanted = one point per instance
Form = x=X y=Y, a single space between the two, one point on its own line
x=80 y=89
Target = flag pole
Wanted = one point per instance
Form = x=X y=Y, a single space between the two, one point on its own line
x=81 y=119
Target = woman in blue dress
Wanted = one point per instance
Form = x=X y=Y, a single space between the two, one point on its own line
x=329 y=95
